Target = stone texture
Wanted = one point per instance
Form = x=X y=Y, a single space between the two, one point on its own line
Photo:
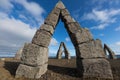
x=95 y=68
x=19 y=53
x=60 y=5
x=47 y=28
x=42 y=38
x=34 y=55
x=56 y=11
x=68 y=19
x=60 y=51
x=64 y=12
x=91 y=49
x=52 y=20
x=30 y=72
x=110 y=52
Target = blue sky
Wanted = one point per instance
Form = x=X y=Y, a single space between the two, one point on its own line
x=19 y=20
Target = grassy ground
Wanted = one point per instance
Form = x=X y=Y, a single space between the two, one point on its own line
x=57 y=70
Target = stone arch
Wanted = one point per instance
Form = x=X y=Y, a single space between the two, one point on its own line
x=110 y=52
x=88 y=51
x=60 y=51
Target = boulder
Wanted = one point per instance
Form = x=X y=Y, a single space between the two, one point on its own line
x=47 y=28
x=90 y=49
x=99 y=68
x=34 y=55
x=42 y=38
x=30 y=72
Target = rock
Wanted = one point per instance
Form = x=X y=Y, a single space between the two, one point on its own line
x=47 y=28
x=90 y=49
x=56 y=11
x=95 y=68
x=42 y=38
x=52 y=20
x=34 y=55
x=77 y=34
x=68 y=19
x=30 y=72
x=60 y=5
x=64 y=12
x=19 y=54
x=60 y=51
x=110 y=52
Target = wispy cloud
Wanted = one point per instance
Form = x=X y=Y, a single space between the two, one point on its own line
x=54 y=42
x=116 y=47
x=6 y=5
x=67 y=39
x=103 y=17
x=15 y=31
x=117 y=29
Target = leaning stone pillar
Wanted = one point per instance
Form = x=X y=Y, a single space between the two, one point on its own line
x=34 y=58
x=90 y=57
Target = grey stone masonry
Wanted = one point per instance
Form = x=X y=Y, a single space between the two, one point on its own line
x=30 y=72
x=110 y=52
x=47 y=28
x=34 y=55
x=52 y=20
x=67 y=19
x=42 y=38
x=99 y=68
x=60 y=5
x=90 y=49
x=64 y=12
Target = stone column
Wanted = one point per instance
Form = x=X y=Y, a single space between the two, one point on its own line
x=34 y=58
x=90 y=57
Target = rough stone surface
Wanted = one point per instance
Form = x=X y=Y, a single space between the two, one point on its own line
x=64 y=12
x=95 y=68
x=56 y=11
x=19 y=54
x=110 y=52
x=60 y=5
x=47 y=28
x=42 y=38
x=91 y=49
x=52 y=20
x=60 y=51
x=68 y=19
x=30 y=72
x=34 y=55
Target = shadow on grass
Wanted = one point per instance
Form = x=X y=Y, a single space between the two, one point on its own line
x=64 y=70
x=11 y=67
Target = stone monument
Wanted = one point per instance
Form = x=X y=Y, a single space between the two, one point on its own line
x=90 y=57
x=65 y=51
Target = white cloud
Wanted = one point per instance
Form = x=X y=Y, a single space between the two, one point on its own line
x=117 y=29
x=116 y=47
x=67 y=39
x=101 y=34
x=32 y=7
x=6 y=4
x=103 y=17
x=118 y=43
x=53 y=42
x=14 y=33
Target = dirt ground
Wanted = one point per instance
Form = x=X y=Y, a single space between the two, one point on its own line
x=62 y=69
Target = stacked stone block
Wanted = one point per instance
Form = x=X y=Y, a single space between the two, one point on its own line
x=60 y=51
x=90 y=55
x=34 y=58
